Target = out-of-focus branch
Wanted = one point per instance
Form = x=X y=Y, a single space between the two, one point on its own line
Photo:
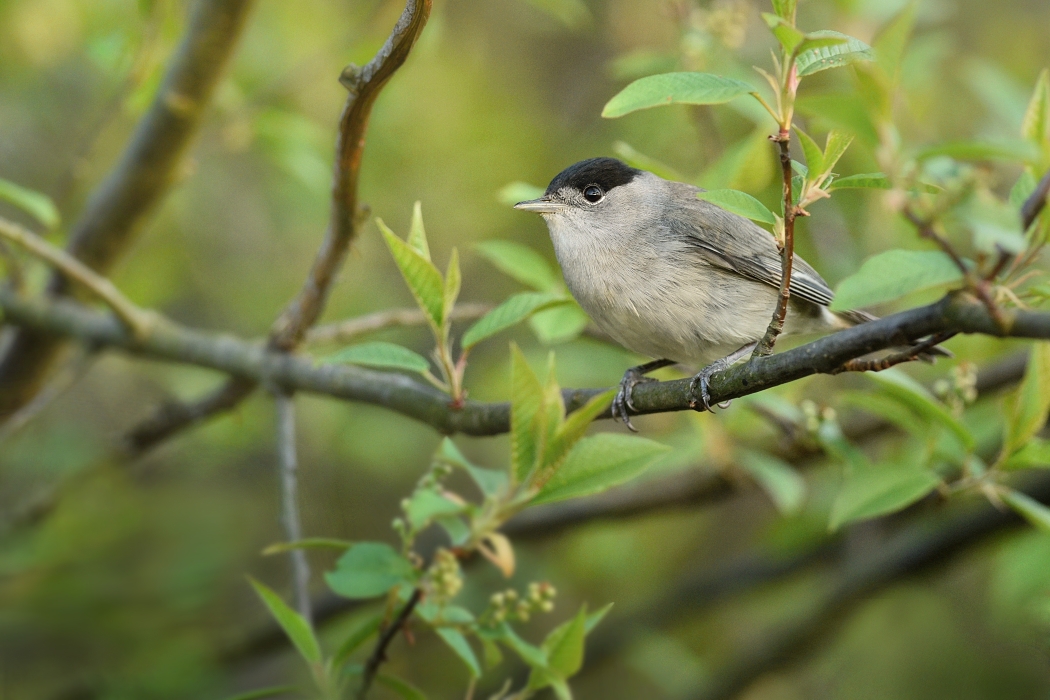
x=350 y=329
x=413 y=398
x=378 y=655
x=120 y=206
x=1035 y=203
x=293 y=529
x=59 y=384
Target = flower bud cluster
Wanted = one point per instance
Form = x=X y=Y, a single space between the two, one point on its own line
x=444 y=578
x=960 y=389
x=511 y=606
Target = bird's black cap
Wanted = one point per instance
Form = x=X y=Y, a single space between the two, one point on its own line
x=607 y=173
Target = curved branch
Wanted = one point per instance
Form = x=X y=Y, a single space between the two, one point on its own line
x=120 y=205
x=412 y=398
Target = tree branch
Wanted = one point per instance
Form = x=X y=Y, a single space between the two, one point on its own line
x=120 y=206
x=293 y=529
x=350 y=329
x=413 y=398
x=787 y=251
x=378 y=656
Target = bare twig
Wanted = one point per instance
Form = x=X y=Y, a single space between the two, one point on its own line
x=413 y=398
x=120 y=206
x=344 y=331
x=293 y=529
x=787 y=252
x=138 y=320
x=911 y=354
x=1035 y=202
x=378 y=656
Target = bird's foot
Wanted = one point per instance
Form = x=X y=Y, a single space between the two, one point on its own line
x=699 y=391
x=622 y=401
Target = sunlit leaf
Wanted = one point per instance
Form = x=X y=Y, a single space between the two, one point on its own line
x=1036 y=124
x=564 y=645
x=825 y=57
x=1028 y=508
x=380 y=354
x=293 y=624
x=423 y=279
x=777 y=478
x=559 y=324
x=569 y=433
x=879 y=490
x=417 y=234
x=1034 y=454
x=740 y=203
x=402 y=688
x=453 y=280
x=814 y=156
x=1028 y=412
x=510 y=313
x=515 y=192
x=675 y=88
x=835 y=147
x=598 y=463
x=459 y=644
x=893 y=274
x=522 y=263
x=370 y=569
x=34 y=203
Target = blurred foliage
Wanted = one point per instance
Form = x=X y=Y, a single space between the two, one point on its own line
x=135 y=587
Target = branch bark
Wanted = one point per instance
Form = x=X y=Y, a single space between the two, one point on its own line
x=120 y=206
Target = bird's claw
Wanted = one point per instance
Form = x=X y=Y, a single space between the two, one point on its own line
x=622 y=401
x=698 y=388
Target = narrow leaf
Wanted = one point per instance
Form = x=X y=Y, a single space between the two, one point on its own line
x=877 y=491
x=307 y=543
x=529 y=653
x=893 y=274
x=1028 y=508
x=510 y=313
x=862 y=181
x=740 y=203
x=594 y=618
x=453 y=279
x=525 y=403
x=417 y=235
x=777 y=478
x=598 y=463
x=569 y=433
x=459 y=644
x=370 y=569
x=522 y=263
x=34 y=203
x=786 y=9
x=423 y=279
x=380 y=354
x=403 y=689
x=834 y=148
x=1028 y=412
x=293 y=624
x=814 y=156
x=824 y=57
x=675 y=88
x=1036 y=124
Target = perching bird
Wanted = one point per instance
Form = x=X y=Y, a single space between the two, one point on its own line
x=671 y=276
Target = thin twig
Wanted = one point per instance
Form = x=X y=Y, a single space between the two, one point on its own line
x=787 y=252
x=293 y=529
x=138 y=320
x=344 y=331
x=911 y=354
x=1035 y=202
x=378 y=655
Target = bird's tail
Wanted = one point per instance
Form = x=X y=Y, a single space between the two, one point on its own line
x=848 y=319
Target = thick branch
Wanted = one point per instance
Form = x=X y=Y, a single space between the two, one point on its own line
x=120 y=205
x=422 y=402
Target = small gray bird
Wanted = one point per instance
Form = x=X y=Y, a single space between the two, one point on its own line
x=671 y=276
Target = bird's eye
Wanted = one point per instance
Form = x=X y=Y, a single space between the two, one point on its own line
x=593 y=194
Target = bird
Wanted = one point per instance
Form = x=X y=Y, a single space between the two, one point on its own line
x=673 y=277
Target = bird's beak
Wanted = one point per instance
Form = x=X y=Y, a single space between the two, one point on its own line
x=540 y=206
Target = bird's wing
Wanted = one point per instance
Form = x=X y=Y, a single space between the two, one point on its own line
x=737 y=244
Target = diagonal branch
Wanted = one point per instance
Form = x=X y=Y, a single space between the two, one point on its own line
x=121 y=205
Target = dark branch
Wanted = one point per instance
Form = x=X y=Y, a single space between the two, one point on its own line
x=120 y=206
x=422 y=402
x=378 y=655
x=1035 y=202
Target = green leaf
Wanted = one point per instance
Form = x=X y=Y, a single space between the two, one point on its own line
x=862 y=181
x=559 y=324
x=1035 y=453
x=893 y=274
x=526 y=400
x=453 y=279
x=815 y=41
x=564 y=645
x=822 y=58
x=529 y=653
x=843 y=111
x=598 y=463
x=510 y=313
x=814 y=156
x=417 y=235
x=785 y=9
x=401 y=687
x=1007 y=150
x=380 y=354
x=514 y=192
x=361 y=634
x=36 y=204
x=777 y=478
x=788 y=36
x=423 y=279
x=639 y=160
x=458 y=531
x=522 y=263
x=569 y=433
x=916 y=397
x=370 y=569
x=835 y=147
x=271 y=692
x=489 y=481
x=1036 y=124
x=675 y=88
x=890 y=42
x=459 y=644
x=426 y=504
x=594 y=618
x=307 y=543
x=293 y=624
x=1022 y=189
x=1028 y=508
x=876 y=491
x=740 y=203
x=1028 y=412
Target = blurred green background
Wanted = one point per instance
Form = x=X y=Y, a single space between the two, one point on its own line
x=134 y=587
